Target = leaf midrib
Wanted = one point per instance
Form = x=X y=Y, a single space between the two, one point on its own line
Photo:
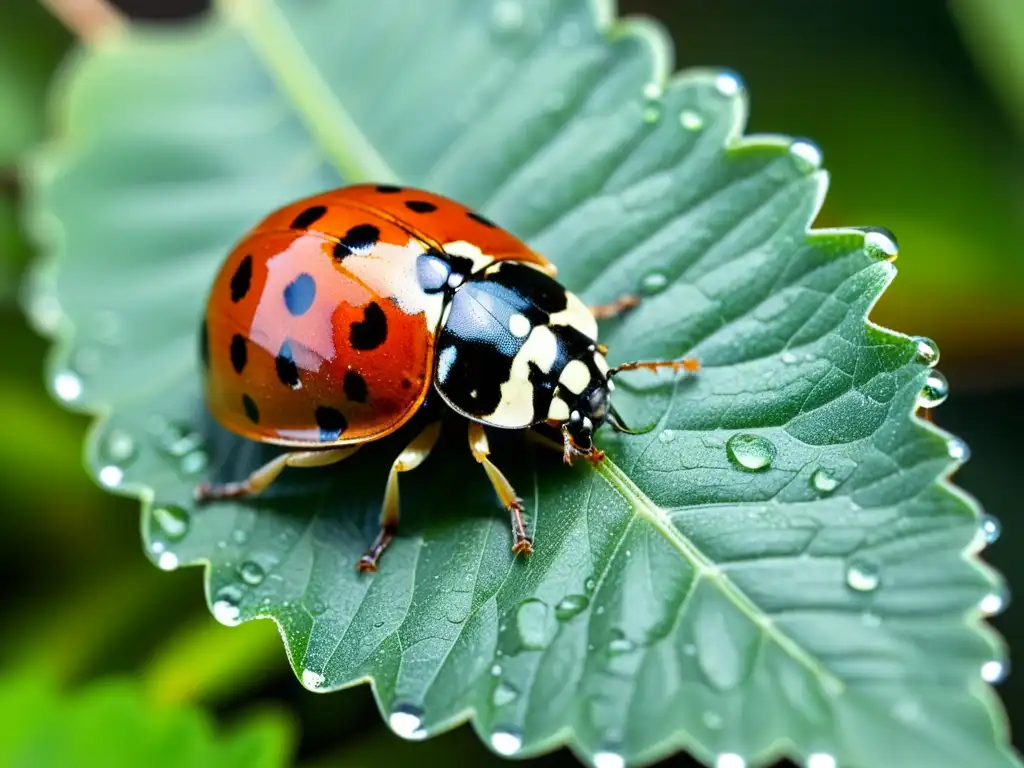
x=356 y=158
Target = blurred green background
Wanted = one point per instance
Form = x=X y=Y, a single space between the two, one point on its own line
x=919 y=110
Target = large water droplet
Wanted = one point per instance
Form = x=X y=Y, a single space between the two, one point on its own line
x=119 y=448
x=958 y=450
x=620 y=643
x=863 y=575
x=727 y=84
x=167 y=561
x=609 y=760
x=750 y=452
x=934 y=392
x=806 y=155
x=880 y=243
x=67 y=386
x=730 y=760
x=111 y=476
x=926 y=351
x=823 y=482
x=821 y=760
x=991 y=528
x=666 y=436
x=226 y=606
x=571 y=605
x=690 y=120
x=653 y=282
x=506 y=741
x=994 y=671
x=504 y=693
x=536 y=624
x=172 y=521
x=407 y=720
x=311 y=679
x=251 y=573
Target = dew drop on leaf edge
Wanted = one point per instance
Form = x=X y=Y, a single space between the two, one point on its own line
x=880 y=243
x=67 y=386
x=730 y=760
x=994 y=671
x=608 y=759
x=926 y=351
x=226 y=606
x=820 y=760
x=806 y=154
x=570 y=606
x=991 y=528
x=406 y=720
x=506 y=741
x=750 y=453
x=934 y=392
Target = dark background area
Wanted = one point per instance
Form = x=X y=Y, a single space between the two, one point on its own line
x=917 y=139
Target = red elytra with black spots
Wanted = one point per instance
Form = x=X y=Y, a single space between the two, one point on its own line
x=303 y=346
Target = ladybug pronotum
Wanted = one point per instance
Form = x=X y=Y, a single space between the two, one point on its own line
x=331 y=322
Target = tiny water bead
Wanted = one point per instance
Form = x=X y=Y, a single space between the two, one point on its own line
x=251 y=573
x=653 y=282
x=958 y=450
x=712 y=720
x=806 y=154
x=119 y=448
x=880 y=243
x=620 y=643
x=993 y=671
x=730 y=760
x=609 y=760
x=823 y=482
x=172 y=521
x=863 y=576
x=67 y=386
x=167 y=561
x=727 y=84
x=788 y=357
x=504 y=693
x=311 y=679
x=926 y=350
x=690 y=120
x=571 y=605
x=496 y=670
x=506 y=742
x=934 y=392
x=535 y=624
x=991 y=528
x=821 y=760
x=111 y=476
x=407 y=720
x=749 y=452
x=994 y=602
x=226 y=606
x=666 y=436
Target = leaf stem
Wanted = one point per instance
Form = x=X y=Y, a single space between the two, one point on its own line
x=90 y=20
x=347 y=147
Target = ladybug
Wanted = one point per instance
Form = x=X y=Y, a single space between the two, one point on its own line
x=332 y=320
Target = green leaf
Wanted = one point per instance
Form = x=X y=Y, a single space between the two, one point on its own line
x=110 y=723
x=780 y=566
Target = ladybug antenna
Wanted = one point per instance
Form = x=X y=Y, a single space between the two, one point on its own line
x=617 y=424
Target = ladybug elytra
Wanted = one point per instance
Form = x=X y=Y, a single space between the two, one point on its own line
x=331 y=321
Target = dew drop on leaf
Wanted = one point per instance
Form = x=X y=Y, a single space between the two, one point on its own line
x=193 y=463
x=506 y=741
x=788 y=357
x=712 y=720
x=958 y=450
x=727 y=84
x=311 y=679
x=863 y=576
x=823 y=482
x=926 y=351
x=571 y=605
x=167 y=561
x=991 y=528
x=251 y=573
x=750 y=452
x=590 y=585
x=652 y=113
x=111 y=476
x=504 y=694
x=994 y=602
x=653 y=282
x=730 y=760
x=666 y=436
x=880 y=244
x=690 y=120
x=806 y=154
x=119 y=448
x=608 y=760
x=177 y=440
x=820 y=760
x=406 y=720
x=67 y=386
x=226 y=606
x=620 y=643
x=535 y=624
x=994 y=671
x=172 y=521
x=934 y=392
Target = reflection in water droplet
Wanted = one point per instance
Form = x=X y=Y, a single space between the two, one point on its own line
x=991 y=528
x=823 y=482
x=727 y=84
x=570 y=606
x=880 y=243
x=168 y=561
x=406 y=720
x=608 y=760
x=111 y=476
x=620 y=643
x=653 y=282
x=251 y=573
x=311 y=679
x=172 y=521
x=507 y=16
x=934 y=392
x=119 y=448
x=806 y=154
x=536 y=624
x=863 y=576
x=226 y=606
x=506 y=742
x=927 y=351
x=730 y=760
x=666 y=436
x=712 y=720
x=994 y=671
x=67 y=386
x=958 y=450
x=821 y=760
x=750 y=452
x=504 y=694
x=690 y=120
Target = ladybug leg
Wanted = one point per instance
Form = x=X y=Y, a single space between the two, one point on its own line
x=414 y=454
x=615 y=308
x=268 y=473
x=478 y=444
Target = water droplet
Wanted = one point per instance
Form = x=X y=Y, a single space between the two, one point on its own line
x=730 y=760
x=788 y=357
x=991 y=528
x=318 y=607
x=506 y=742
x=653 y=91
x=496 y=670
x=934 y=392
x=994 y=671
x=727 y=84
x=119 y=448
x=823 y=482
x=239 y=536
x=750 y=452
x=179 y=440
x=251 y=573
x=994 y=602
x=507 y=16
x=690 y=120
x=653 y=282
x=590 y=585
x=504 y=694
x=958 y=450
x=806 y=154
x=652 y=113
x=609 y=760
x=821 y=760
x=168 y=561
x=172 y=521
x=571 y=605
x=111 y=476
x=666 y=436
x=863 y=576
x=406 y=720
x=194 y=463
x=536 y=624
x=226 y=606
x=311 y=679
x=926 y=350
x=712 y=720
x=620 y=643
x=67 y=386
x=880 y=243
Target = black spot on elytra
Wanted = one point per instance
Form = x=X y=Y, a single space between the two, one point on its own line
x=299 y=294
x=388 y=189
x=309 y=217
x=239 y=352
x=406 y=383
x=250 y=409
x=355 y=387
x=204 y=344
x=360 y=239
x=331 y=422
x=241 y=280
x=370 y=332
x=287 y=371
x=420 y=206
x=481 y=219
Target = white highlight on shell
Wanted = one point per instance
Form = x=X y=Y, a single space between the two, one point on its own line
x=991 y=604
x=559 y=410
x=168 y=561
x=575 y=376
x=608 y=760
x=445 y=360
x=821 y=760
x=311 y=679
x=505 y=743
x=67 y=386
x=111 y=476
x=519 y=325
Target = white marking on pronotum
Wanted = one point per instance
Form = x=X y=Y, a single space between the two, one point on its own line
x=575 y=376
x=558 y=410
